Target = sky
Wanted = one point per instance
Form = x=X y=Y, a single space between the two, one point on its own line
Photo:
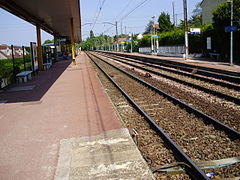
x=15 y=31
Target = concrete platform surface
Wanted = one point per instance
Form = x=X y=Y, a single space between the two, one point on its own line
x=110 y=155
x=66 y=102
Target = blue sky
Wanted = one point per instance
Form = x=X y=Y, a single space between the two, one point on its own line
x=15 y=31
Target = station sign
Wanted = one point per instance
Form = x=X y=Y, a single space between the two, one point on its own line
x=195 y=31
x=154 y=36
x=230 y=28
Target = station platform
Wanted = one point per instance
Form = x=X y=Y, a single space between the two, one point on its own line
x=193 y=61
x=61 y=111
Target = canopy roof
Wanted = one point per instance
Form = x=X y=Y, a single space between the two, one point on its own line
x=53 y=16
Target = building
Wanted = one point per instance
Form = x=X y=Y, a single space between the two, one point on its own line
x=6 y=52
x=208 y=6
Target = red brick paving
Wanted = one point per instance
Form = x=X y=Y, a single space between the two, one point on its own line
x=65 y=103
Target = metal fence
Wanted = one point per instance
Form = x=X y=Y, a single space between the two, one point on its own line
x=145 y=50
x=176 y=51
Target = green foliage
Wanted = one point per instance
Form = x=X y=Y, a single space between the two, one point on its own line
x=195 y=21
x=165 y=22
x=95 y=42
x=145 y=41
x=221 y=16
x=175 y=37
x=48 y=41
x=6 y=66
x=134 y=44
x=221 y=19
x=91 y=34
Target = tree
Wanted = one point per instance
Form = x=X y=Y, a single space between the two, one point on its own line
x=148 y=27
x=91 y=34
x=48 y=41
x=221 y=19
x=196 y=19
x=165 y=23
x=221 y=16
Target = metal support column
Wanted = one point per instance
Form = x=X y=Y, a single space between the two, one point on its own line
x=231 y=39
x=186 y=29
x=55 y=48
x=72 y=42
x=13 y=63
x=39 y=48
x=24 y=61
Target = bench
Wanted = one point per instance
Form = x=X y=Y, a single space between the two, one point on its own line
x=24 y=76
x=47 y=66
x=217 y=55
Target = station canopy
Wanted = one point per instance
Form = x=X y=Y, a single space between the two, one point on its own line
x=53 y=16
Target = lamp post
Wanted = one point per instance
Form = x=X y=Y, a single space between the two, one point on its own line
x=116 y=31
x=186 y=29
x=131 y=35
x=231 y=39
x=152 y=32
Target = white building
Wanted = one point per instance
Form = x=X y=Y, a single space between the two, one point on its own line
x=6 y=52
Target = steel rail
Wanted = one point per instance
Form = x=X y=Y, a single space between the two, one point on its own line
x=218 y=74
x=215 y=93
x=224 y=84
x=221 y=71
x=234 y=134
x=192 y=169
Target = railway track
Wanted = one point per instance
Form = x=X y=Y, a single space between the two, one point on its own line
x=226 y=112
x=199 y=141
x=225 y=78
x=226 y=93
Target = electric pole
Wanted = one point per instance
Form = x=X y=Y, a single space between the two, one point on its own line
x=186 y=29
x=153 y=33
x=231 y=39
x=121 y=28
x=173 y=14
x=117 y=35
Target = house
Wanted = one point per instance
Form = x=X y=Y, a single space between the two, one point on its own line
x=208 y=6
x=6 y=51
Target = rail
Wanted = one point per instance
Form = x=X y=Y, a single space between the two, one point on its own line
x=193 y=170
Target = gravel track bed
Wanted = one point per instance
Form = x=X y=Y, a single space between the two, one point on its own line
x=218 y=88
x=224 y=111
x=171 y=68
x=149 y=143
x=199 y=141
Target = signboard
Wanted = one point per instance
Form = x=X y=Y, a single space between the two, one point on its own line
x=209 y=43
x=230 y=28
x=129 y=40
x=154 y=36
x=33 y=48
x=195 y=30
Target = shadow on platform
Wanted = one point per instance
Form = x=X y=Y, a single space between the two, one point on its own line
x=36 y=88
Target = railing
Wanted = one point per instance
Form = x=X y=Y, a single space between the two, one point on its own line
x=17 y=60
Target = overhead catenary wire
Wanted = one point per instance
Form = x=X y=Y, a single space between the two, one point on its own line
x=98 y=13
x=125 y=7
x=130 y=12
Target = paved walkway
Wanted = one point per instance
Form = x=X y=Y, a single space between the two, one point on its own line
x=63 y=102
x=194 y=61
